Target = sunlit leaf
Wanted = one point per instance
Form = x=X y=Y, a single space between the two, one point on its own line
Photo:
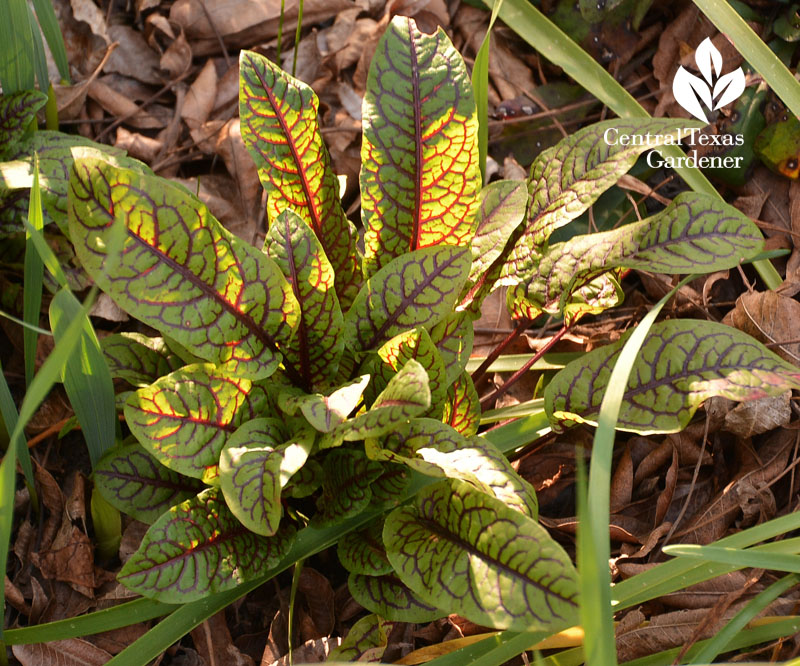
x=198 y=548
x=255 y=465
x=462 y=406
x=453 y=337
x=420 y=173
x=323 y=412
x=281 y=132
x=178 y=269
x=185 y=418
x=418 y=288
x=317 y=345
x=468 y=552
x=134 y=482
x=681 y=364
x=138 y=359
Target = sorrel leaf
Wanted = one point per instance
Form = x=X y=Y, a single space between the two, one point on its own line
x=389 y=488
x=696 y=232
x=463 y=550
x=178 y=269
x=280 y=129
x=56 y=153
x=462 y=406
x=317 y=346
x=681 y=364
x=254 y=466
x=323 y=412
x=502 y=208
x=418 y=288
x=453 y=337
x=569 y=177
x=420 y=173
x=133 y=481
x=394 y=354
x=362 y=551
x=407 y=395
x=138 y=359
x=346 y=481
x=390 y=598
x=198 y=548
x=17 y=112
x=435 y=449
x=366 y=640
x=185 y=417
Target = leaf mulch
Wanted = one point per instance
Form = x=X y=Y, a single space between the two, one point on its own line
x=159 y=79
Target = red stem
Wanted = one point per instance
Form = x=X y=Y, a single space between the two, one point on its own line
x=492 y=357
x=513 y=379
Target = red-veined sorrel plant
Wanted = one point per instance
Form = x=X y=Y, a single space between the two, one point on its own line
x=305 y=381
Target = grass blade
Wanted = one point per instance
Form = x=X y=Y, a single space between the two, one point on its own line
x=480 y=88
x=40 y=386
x=754 y=50
x=52 y=33
x=594 y=550
x=16 y=56
x=34 y=272
x=719 y=643
x=738 y=557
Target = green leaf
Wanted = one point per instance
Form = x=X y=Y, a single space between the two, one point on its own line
x=569 y=177
x=199 y=548
x=394 y=354
x=322 y=412
x=56 y=153
x=390 y=487
x=86 y=377
x=16 y=56
x=407 y=395
x=52 y=33
x=305 y=481
x=178 y=269
x=502 y=208
x=135 y=482
x=695 y=232
x=34 y=275
x=420 y=173
x=17 y=112
x=362 y=552
x=367 y=640
x=281 y=132
x=317 y=346
x=390 y=598
x=418 y=288
x=107 y=525
x=254 y=466
x=185 y=418
x=453 y=337
x=462 y=406
x=345 y=486
x=681 y=364
x=468 y=552
x=435 y=449
x=138 y=359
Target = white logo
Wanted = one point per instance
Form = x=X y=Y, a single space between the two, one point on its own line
x=687 y=87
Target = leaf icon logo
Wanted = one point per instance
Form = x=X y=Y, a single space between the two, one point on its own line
x=691 y=90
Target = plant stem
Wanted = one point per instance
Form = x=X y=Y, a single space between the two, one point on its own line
x=513 y=379
x=492 y=357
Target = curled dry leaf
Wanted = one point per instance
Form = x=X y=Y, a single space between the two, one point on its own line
x=201 y=97
x=770 y=318
x=71 y=652
x=132 y=57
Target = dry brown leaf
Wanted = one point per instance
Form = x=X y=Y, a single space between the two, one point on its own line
x=202 y=96
x=118 y=105
x=178 y=57
x=70 y=652
x=212 y=639
x=310 y=652
x=756 y=416
x=70 y=559
x=770 y=318
x=319 y=600
x=622 y=481
x=243 y=23
x=138 y=145
x=116 y=640
x=88 y=12
x=133 y=57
